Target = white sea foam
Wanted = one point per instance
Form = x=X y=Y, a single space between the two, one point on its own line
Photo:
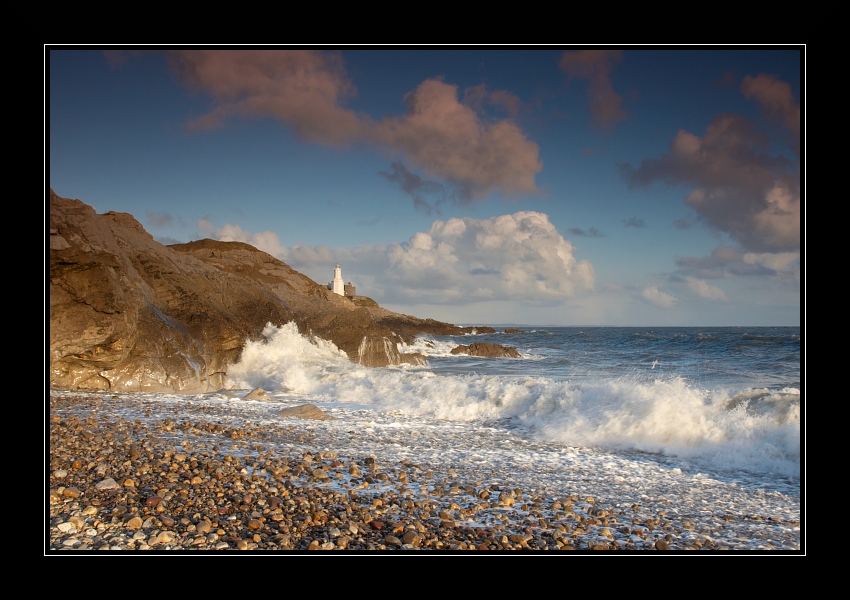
x=755 y=430
x=429 y=346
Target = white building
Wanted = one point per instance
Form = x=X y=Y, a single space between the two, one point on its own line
x=346 y=290
x=337 y=285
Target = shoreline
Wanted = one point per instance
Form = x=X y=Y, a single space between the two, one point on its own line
x=182 y=482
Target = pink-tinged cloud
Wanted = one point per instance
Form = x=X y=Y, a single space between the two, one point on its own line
x=508 y=102
x=444 y=137
x=306 y=90
x=595 y=66
x=725 y=262
x=775 y=99
x=479 y=96
x=739 y=188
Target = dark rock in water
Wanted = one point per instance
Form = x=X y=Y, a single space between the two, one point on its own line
x=306 y=411
x=513 y=330
x=130 y=314
x=487 y=350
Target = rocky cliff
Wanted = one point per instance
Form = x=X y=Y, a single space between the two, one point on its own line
x=130 y=314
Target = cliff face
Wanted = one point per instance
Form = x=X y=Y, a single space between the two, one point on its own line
x=130 y=314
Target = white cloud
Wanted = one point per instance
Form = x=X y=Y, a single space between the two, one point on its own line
x=778 y=262
x=510 y=257
x=653 y=295
x=516 y=257
x=514 y=268
x=227 y=233
x=703 y=289
x=206 y=226
x=267 y=241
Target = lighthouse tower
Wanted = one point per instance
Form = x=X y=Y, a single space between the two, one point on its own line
x=338 y=283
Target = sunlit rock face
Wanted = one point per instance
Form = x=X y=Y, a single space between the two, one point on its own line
x=130 y=314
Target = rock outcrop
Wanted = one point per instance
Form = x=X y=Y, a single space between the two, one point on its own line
x=487 y=350
x=130 y=314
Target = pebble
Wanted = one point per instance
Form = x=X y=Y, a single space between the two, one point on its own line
x=185 y=482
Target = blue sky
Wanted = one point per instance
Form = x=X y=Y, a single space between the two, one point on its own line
x=545 y=185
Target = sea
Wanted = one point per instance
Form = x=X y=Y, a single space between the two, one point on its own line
x=703 y=423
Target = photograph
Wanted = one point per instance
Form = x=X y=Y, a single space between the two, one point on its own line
x=424 y=300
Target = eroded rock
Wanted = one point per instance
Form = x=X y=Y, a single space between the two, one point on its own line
x=130 y=314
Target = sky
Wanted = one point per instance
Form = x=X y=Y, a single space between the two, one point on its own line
x=514 y=185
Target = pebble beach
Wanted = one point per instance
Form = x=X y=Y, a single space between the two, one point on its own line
x=178 y=480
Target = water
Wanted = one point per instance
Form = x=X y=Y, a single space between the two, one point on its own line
x=726 y=399
x=695 y=421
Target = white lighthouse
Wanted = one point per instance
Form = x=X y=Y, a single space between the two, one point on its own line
x=338 y=284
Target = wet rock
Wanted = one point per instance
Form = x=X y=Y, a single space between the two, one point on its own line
x=305 y=411
x=258 y=394
x=487 y=350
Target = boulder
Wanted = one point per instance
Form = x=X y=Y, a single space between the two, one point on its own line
x=306 y=411
x=258 y=394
